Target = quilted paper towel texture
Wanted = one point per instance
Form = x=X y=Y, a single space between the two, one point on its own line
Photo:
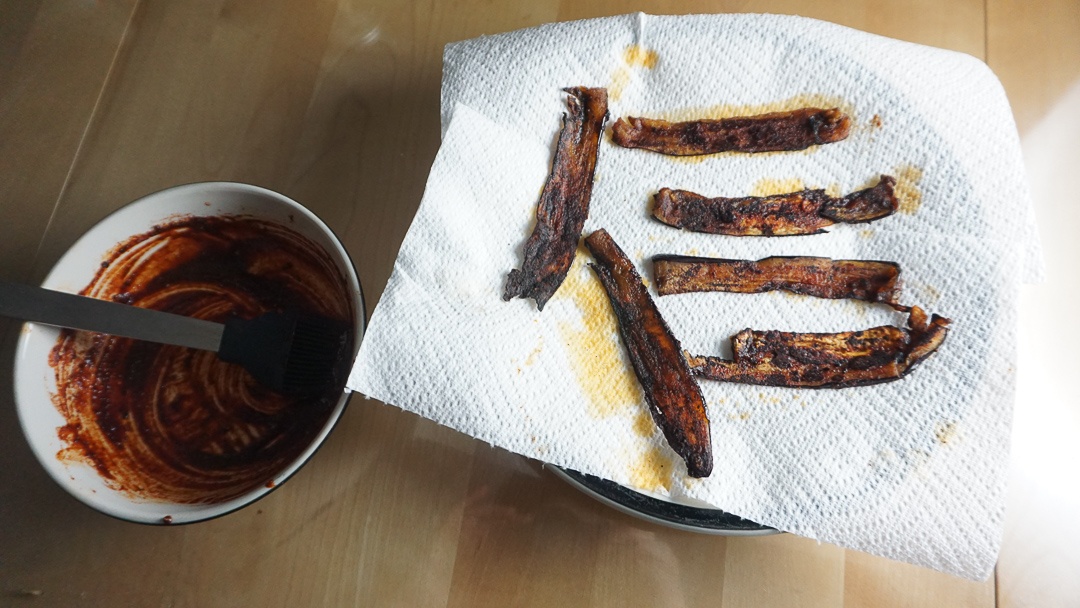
x=911 y=470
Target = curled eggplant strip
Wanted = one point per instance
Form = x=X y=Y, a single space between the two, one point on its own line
x=775 y=132
x=836 y=360
x=792 y=213
x=674 y=398
x=564 y=202
x=868 y=280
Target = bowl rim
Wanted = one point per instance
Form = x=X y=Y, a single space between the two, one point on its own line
x=198 y=512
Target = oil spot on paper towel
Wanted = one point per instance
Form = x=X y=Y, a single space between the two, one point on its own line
x=945 y=432
x=637 y=56
x=634 y=57
x=644 y=425
x=531 y=358
x=593 y=344
x=871 y=128
x=769 y=186
x=907 y=188
x=653 y=470
x=920 y=463
x=929 y=293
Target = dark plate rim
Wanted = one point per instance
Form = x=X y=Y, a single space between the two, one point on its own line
x=683 y=517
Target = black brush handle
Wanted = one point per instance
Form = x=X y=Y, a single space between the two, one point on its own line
x=61 y=309
x=262 y=345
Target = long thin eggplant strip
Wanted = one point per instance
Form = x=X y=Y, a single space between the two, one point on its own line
x=867 y=280
x=564 y=202
x=793 y=213
x=839 y=360
x=673 y=395
x=775 y=132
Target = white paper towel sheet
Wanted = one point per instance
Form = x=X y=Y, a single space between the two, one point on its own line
x=912 y=470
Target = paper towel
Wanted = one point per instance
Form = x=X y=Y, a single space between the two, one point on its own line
x=912 y=470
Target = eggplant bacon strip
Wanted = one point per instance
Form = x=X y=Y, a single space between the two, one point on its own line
x=564 y=202
x=792 y=213
x=867 y=280
x=673 y=395
x=775 y=132
x=805 y=360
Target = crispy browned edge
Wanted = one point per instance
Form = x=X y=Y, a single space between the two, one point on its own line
x=868 y=280
x=864 y=205
x=792 y=213
x=774 y=132
x=674 y=398
x=836 y=360
x=564 y=202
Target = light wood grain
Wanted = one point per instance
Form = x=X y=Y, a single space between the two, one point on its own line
x=1035 y=50
x=55 y=61
x=336 y=103
x=783 y=571
x=873 y=582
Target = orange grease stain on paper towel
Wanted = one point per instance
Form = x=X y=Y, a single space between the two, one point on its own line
x=652 y=471
x=945 y=432
x=635 y=56
x=594 y=346
x=769 y=186
x=907 y=188
x=603 y=372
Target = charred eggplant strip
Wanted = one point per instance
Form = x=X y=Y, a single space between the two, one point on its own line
x=803 y=212
x=674 y=398
x=867 y=280
x=927 y=334
x=564 y=202
x=839 y=360
x=775 y=132
x=864 y=205
x=775 y=215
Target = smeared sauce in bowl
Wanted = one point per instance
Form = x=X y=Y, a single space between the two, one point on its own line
x=173 y=424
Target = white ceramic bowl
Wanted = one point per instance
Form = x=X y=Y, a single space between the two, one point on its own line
x=35 y=380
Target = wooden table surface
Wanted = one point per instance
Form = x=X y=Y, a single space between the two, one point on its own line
x=336 y=104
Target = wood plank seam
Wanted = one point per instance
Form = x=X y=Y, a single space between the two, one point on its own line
x=124 y=37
